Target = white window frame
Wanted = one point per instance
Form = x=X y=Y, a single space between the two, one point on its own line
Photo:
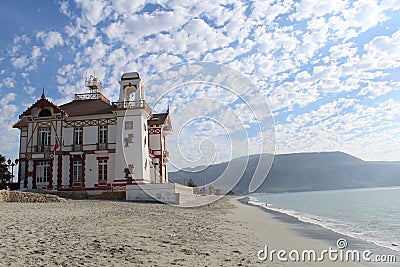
x=103 y=134
x=78 y=135
x=103 y=170
x=44 y=136
x=43 y=172
x=77 y=170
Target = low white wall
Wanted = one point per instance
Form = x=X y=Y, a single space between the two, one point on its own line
x=183 y=189
x=152 y=192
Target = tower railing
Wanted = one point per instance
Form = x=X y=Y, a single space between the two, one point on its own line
x=90 y=96
x=136 y=104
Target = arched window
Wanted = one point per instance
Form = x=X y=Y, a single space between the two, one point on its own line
x=44 y=113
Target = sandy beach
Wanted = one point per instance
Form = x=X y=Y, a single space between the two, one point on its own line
x=109 y=233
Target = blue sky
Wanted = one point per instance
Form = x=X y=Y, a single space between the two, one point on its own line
x=329 y=70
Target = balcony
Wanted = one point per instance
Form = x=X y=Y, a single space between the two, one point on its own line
x=102 y=146
x=137 y=104
x=91 y=96
x=77 y=147
x=42 y=148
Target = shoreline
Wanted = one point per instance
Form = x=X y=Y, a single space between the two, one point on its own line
x=277 y=235
x=325 y=235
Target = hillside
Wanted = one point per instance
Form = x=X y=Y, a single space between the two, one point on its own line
x=303 y=172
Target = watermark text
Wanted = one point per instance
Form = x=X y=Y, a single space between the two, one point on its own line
x=339 y=254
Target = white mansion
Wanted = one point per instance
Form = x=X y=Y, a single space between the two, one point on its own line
x=91 y=144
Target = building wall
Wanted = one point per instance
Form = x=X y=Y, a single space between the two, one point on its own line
x=133 y=142
x=119 y=163
x=155 y=143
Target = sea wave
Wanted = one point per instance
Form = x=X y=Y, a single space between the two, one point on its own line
x=340 y=227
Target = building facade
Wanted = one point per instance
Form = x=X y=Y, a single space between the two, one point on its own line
x=93 y=144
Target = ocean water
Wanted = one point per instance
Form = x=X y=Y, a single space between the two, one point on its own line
x=371 y=215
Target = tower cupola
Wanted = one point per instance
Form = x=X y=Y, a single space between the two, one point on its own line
x=131 y=83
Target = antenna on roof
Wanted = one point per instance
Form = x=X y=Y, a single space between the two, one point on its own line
x=43 y=96
x=94 y=84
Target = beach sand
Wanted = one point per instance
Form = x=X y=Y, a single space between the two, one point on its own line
x=108 y=233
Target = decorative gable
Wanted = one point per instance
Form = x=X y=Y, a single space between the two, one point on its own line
x=41 y=104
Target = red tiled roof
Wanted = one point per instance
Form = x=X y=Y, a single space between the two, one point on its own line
x=21 y=123
x=86 y=107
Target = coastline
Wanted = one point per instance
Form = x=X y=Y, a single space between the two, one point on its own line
x=268 y=230
x=326 y=236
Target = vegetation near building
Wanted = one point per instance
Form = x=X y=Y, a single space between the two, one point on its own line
x=191 y=183
x=5 y=175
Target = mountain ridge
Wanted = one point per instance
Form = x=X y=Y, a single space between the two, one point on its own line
x=309 y=171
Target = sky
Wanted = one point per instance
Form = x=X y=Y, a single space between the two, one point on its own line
x=327 y=70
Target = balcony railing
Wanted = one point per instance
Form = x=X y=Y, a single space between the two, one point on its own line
x=132 y=105
x=77 y=147
x=102 y=146
x=42 y=148
x=88 y=96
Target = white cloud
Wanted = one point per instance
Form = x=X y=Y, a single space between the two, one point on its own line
x=18 y=43
x=8 y=135
x=145 y=24
x=390 y=4
x=127 y=7
x=94 y=11
x=20 y=62
x=36 y=52
x=364 y=14
x=343 y=125
x=309 y=8
x=385 y=47
x=270 y=10
x=8 y=82
x=82 y=31
x=64 y=8
x=30 y=90
x=375 y=89
x=343 y=50
x=50 y=39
